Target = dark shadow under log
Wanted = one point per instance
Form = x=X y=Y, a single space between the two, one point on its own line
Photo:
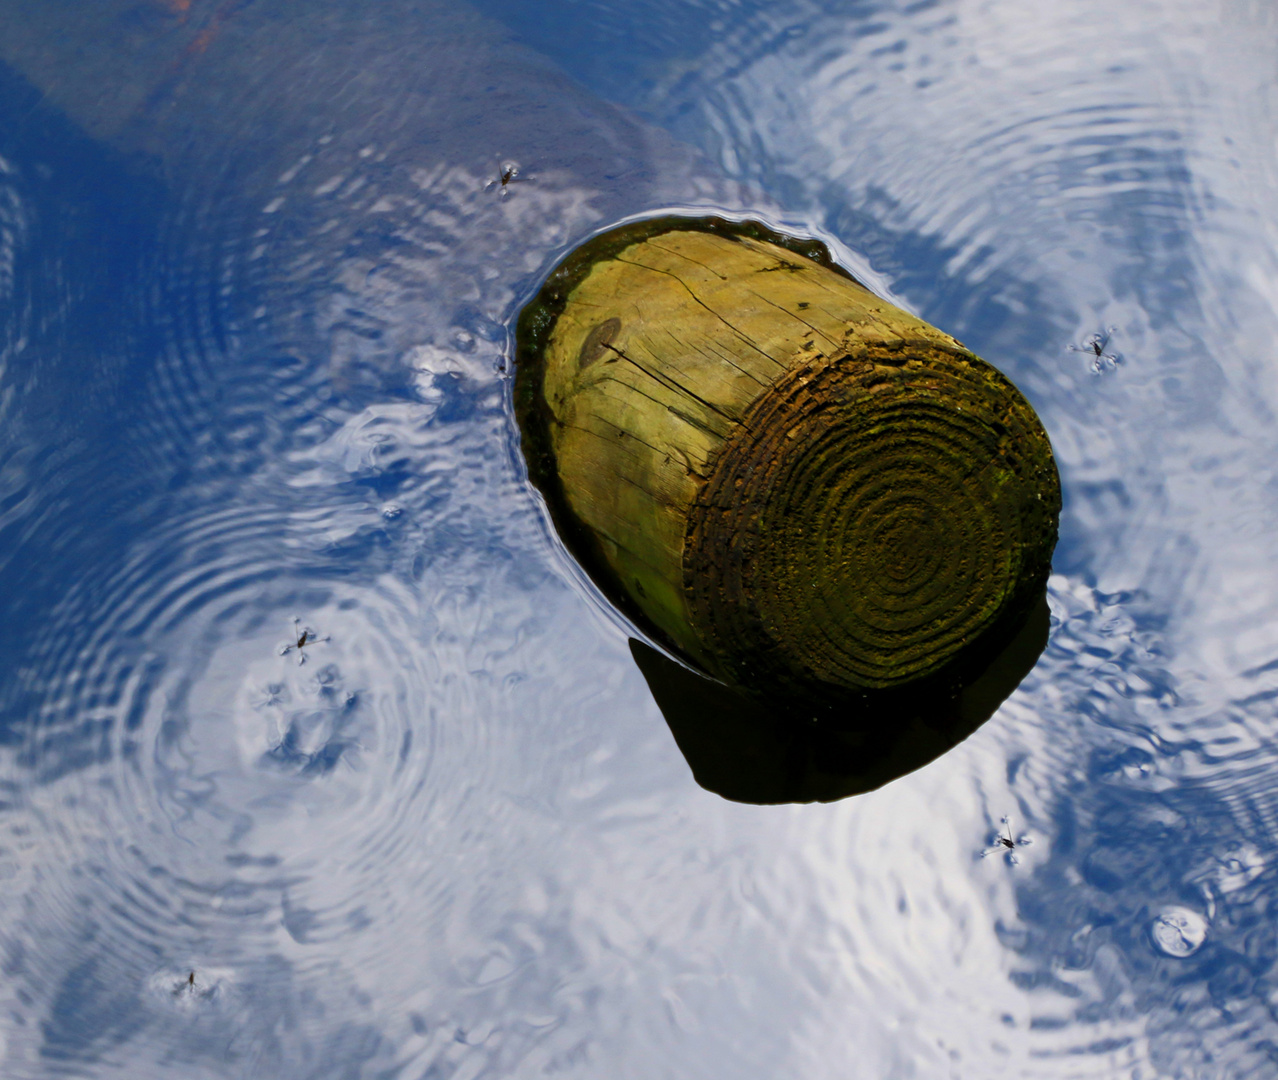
x=754 y=752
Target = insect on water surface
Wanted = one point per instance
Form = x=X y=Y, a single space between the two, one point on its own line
x=1096 y=344
x=1005 y=843
x=302 y=637
x=507 y=174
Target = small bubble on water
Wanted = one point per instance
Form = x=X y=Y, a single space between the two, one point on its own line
x=1178 y=931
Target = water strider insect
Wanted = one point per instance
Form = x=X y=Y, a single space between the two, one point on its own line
x=1004 y=843
x=507 y=174
x=1096 y=344
x=302 y=637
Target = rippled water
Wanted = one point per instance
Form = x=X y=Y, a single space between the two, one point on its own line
x=256 y=289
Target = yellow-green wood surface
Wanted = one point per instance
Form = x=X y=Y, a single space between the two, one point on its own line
x=789 y=478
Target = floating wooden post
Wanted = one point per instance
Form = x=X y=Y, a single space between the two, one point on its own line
x=793 y=484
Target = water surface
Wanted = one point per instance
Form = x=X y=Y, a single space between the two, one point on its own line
x=256 y=292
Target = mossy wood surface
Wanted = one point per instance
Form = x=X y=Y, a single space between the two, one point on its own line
x=794 y=482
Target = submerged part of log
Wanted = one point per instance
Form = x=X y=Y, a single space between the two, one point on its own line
x=792 y=483
x=755 y=753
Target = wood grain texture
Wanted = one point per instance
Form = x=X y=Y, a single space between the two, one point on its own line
x=794 y=482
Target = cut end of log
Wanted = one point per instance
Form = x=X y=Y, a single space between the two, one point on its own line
x=802 y=489
x=871 y=517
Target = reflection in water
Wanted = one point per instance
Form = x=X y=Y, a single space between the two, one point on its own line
x=260 y=382
x=254 y=300
x=756 y=752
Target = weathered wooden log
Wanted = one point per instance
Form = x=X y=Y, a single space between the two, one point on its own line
x=790 y=482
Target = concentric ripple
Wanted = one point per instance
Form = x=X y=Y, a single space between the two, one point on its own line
x=263 y=401
x=457 y=841
x=876 y=518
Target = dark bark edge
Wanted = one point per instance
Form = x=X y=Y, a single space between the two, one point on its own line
x=533 y=329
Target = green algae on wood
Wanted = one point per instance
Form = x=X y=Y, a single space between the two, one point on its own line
x=792 y=483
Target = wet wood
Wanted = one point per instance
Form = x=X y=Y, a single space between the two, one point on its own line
x=700 y=394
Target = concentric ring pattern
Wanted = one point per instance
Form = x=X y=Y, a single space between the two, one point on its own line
x=878 y=519
x=257 y=381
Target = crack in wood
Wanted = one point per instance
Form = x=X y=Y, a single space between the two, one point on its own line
x=695 y=297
